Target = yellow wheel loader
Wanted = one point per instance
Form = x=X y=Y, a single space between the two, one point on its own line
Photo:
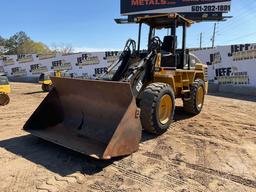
x=104 y=118
x=5 y=89
x=45 y=80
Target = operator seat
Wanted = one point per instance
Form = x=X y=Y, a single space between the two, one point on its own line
x=169 y=43
x=168 y=52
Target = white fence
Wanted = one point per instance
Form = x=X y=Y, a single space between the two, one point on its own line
x=79 y=64
x=231 y=65
x=228 y=65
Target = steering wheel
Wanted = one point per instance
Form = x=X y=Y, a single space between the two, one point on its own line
x=155 y=44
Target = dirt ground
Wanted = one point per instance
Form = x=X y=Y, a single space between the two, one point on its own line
x=215 y=151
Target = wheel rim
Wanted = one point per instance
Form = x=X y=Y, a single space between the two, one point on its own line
x=200 y=97
x=165 y=109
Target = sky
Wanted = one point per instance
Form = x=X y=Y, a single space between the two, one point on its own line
x=89 y=25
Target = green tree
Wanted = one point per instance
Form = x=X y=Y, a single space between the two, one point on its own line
x=2 y=41
x=15 y=41
x=2 y=44
x=21 y=43
x=32 y=47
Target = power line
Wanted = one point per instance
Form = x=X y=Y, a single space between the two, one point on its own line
x=238 y=23
x=243 y=13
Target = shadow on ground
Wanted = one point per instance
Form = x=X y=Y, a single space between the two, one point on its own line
x=178 y=116
x=33 y=93
x=55 y=158
x=61 y=160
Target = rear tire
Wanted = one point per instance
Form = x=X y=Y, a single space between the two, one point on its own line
x=195 y=105
x=157 y=108
x=4 y=99
x=46 y=88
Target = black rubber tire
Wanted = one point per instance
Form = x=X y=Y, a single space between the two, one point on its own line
x=149 y=104
x=190 y=106
x=46 y=88
x=4 y=99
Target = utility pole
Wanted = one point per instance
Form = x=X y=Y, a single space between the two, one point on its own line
x=214 y=35
x=201 y=40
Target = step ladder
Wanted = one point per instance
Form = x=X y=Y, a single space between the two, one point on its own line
x=185 y=89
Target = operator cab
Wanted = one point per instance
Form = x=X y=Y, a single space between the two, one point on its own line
x=172 y=58
x=168 y=51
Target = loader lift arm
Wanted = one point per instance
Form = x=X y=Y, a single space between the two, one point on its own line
x=138 y=73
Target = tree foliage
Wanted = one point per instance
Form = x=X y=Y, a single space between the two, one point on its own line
x=15 y=41
x=21 y=43
x=2 y=41
x=31 y=47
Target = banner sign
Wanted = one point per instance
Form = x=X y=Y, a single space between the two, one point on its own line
x=87 y=59
x=46 y=56
x=231 y=65
x=243 y=52
x=8 y=61
x=82 y=65
x=1 y=69
x=24 y=58
x=18 y=72
x=111 y=56
x=61 y=65
x=37 y=69
x=134 y=7
x=100 y=71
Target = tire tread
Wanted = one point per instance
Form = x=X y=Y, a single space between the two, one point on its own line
x=149 y=104
x=190 y=105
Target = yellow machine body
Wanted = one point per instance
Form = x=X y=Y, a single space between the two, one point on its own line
x=45 y=80
x=181 y=79
x=104 y=118
x=5 y=89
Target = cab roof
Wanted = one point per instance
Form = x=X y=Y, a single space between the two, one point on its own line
x=159 y=21
x=164 y=20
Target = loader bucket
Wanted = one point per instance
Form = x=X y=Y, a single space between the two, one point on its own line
x=96 y=118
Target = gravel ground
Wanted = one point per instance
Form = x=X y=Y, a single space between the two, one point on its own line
x=214 y=151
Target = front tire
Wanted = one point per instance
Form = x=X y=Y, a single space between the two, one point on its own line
x=4 y=99
x=46 y=87
x=157 y=108
x=195 y=104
